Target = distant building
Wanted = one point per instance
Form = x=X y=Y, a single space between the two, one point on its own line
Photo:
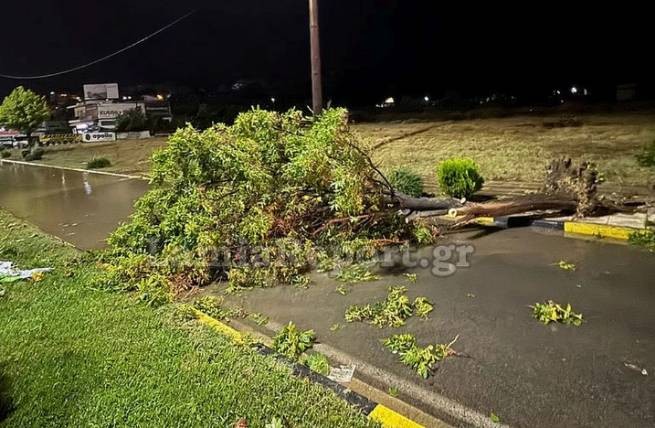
x=102 y=105
x=100 y=114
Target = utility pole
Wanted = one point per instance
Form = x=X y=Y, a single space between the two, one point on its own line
x=317 y=85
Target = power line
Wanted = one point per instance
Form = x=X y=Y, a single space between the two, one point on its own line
x=104 y=58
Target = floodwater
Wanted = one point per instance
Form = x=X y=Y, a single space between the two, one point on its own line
x=79 y=207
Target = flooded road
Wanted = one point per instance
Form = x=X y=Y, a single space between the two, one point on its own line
x=81 y=208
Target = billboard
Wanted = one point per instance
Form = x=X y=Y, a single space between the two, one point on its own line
x=101 y=91
x=112 y=110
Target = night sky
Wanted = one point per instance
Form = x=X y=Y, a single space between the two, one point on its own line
x=371 y=48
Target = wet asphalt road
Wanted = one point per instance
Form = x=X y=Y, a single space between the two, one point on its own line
x=527 y=373
x=81 y=208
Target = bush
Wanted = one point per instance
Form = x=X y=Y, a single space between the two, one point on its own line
x=34 y=154
x=405 y=181
x=647 y=155
x=97 y=163
x=5 y=154
x=459 y=177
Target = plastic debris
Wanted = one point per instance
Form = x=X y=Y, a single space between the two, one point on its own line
x=8 y=273
x=342 y=374
x=636 y=368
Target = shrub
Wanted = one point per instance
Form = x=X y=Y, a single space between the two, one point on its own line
x=5 y=154
x=459 y=177
x=97 y=163
x=34 y=154
x=647 y=155
x=407 y=182
x=291 y=342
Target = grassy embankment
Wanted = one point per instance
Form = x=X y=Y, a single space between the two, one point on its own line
x=518 y=148
x=514 y=149
x=74 y=356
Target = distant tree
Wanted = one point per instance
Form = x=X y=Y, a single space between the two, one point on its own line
x=131 y=120
x=24 y=111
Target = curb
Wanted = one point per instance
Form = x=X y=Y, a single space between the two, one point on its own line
x=570 y=228
x=377 y=412
x=65 y=168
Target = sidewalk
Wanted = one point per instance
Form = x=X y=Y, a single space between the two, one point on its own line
x=527 y=373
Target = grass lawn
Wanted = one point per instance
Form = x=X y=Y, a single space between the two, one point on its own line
x=517 y=148
x=74 y=356
x=507 y=149
x=126 y=156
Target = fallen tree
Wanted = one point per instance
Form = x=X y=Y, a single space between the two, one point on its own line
x=261 y=202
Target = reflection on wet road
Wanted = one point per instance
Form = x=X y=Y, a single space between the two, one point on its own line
x=81 y=208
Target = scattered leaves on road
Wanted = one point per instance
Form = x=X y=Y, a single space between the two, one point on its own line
x=554 y=312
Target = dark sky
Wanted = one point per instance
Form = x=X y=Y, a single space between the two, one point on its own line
x=370 y=47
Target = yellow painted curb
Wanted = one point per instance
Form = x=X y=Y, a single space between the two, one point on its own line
x=486 y=221
x=600 y=230
x=390 y=419
x=220 y=327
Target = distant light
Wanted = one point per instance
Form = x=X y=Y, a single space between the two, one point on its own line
x=426 y=99
x=390 y=100
x=52 y=92
x=585 y=92
x=273 y=100
x=160 y=97
x=558 y=92
x=574 y=90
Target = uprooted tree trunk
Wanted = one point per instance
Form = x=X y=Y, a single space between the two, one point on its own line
x=568 y=188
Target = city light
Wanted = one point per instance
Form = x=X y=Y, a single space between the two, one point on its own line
x=574 y=90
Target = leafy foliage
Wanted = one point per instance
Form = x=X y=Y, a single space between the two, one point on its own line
x=253 y=203
x=131 y=120
x=405 y=181
x=459 y=177
x=291 y=342
x=97 y=163
x=4 y=154
x=643 y=238
x=318 y=363
x=357 y=272
x=400 y=343
x=422 y=360
x=564 y=265
x=24 y=110
x=646 y=157
x=554 y=312
x=392 y=311
x=423 y=307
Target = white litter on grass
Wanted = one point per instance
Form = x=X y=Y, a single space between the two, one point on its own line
x=636 y=368
x=341 y=374
x=7 y=269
